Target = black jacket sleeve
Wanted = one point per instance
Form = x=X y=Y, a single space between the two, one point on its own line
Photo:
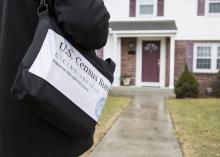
x=85 y=21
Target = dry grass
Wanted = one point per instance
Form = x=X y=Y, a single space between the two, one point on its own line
x=114 y=106
x=197 y=124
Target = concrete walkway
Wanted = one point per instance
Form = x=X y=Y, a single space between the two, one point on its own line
x=143 y=130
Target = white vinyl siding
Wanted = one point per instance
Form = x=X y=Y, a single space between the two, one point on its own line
x=206 y=58
x=108 y=49
x=118 y=9
x=184 y=12
x=190 y=26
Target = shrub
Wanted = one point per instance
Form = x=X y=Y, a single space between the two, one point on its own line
x=216 y=86
x=186 y=86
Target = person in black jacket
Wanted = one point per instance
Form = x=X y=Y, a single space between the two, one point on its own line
x=22 y=133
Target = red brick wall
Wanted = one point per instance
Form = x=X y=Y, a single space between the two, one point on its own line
x=180 y=57
x=204 y=80
x=128 y=61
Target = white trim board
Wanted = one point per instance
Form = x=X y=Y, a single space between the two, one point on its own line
x=144 y=35
x=145 y=31
x=135 y=19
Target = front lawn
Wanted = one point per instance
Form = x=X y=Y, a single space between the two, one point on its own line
x=197 y=125
x=114 y=106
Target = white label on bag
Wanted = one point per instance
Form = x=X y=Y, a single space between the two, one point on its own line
x=60 y=64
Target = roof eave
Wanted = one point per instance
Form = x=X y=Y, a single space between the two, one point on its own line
x=142 y=31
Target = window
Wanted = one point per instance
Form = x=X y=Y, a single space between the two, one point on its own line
x=214 y=6
x=151 y=47
x=203 y=57
x=206 y=58
x=218 y=58
x=146 y=7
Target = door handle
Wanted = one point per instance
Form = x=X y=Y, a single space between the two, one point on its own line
x=158 y=62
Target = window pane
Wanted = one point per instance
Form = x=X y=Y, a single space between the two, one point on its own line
x=204 y=51
x=214 y=7
x=218 y=63
x=203 y=64
x=146 y=9
x=146 y=1
x=219 y=52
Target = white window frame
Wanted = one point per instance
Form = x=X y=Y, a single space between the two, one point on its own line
x=207 y=7
x=218 y=57
x=213 y=68
x=155 y=2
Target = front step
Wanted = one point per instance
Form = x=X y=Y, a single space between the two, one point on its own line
x=137 y=91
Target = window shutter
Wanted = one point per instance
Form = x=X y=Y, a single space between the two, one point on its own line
x=189 y=56
x=201 y=8
x=160 y=8
x=132 y=8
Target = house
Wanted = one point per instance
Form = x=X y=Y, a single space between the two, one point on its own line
x=152 y=40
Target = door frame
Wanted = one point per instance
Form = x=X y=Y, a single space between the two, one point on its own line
x=162 y=75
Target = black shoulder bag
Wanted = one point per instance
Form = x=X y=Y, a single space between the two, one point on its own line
x=62 y=83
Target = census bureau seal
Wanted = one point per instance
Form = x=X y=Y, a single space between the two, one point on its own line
x=99 y=107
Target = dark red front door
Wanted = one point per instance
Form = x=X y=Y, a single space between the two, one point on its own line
x=151 y=61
